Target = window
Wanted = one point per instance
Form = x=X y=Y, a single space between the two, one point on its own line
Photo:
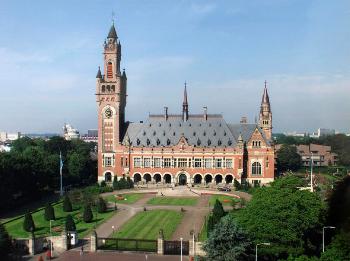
x=240 y=163
x=197 y=163
x=109 y=70
x=208 y=163
x=157 y=162
x=267 y=162
x=256 y=168
x=218 y=163
x=182 y=163
x=137 y=162
x=229 y=164
x=174 y=163
x=108 y=161
x=147 y=162
x=167 y=163
x=256 y=143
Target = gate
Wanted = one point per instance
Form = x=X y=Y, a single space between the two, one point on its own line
x=126 y=244
x=174 y=247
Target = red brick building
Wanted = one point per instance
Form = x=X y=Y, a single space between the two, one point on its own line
x=178 y=149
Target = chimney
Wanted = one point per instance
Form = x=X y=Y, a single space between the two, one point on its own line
x=243 y=120
x=205 y=113
x=166 y=113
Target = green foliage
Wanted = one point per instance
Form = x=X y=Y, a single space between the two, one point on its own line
x=87 y=215
x=236 y=184
x=228 y=242
x=339 y=249
x=122 y=183
x=5 y=242
x=218 y=211
x=36 y=163
x=28 y=223
x=288 y=158
x=49 y=212
x=101 y=205
x=67 y=205
x=70 y=224
x=286 y=217
x=103 y=184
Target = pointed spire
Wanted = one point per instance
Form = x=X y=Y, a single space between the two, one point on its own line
x=265 y=101
x=124 y=74
x=185 y=105
x=112 y=32
x=99 y=75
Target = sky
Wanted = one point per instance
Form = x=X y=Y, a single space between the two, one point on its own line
x=224 y=50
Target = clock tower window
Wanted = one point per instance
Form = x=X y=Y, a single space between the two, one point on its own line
x=109 y=70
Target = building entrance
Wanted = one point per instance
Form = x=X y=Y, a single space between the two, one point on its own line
x=182 y=179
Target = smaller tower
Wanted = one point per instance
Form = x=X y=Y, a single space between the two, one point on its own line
x=265 y=116
x=185 y=106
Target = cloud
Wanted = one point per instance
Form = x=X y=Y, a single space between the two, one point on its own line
x=203 y=9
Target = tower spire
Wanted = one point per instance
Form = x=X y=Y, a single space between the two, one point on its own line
x=265 y=101
x=185 y=105
x=265 y=116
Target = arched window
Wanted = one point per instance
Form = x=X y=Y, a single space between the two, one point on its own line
x=109 y=70
x=103 y=88
x=256 y=168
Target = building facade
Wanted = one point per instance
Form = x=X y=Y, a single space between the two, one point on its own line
x=176 y=148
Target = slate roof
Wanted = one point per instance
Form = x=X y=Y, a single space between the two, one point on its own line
x=112 y=32
x=213 y=132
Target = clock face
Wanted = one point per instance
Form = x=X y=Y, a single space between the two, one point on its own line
x=108 y=113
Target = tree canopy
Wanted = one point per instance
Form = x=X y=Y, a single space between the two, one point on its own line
x=283 y=216
x=288 y=158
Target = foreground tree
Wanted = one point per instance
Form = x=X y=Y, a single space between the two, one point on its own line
x=218 y=211
x=70 y=224
x=67 y=205
x=288 y=158
x=28 y=223
x=5 y=242
x=286 y=217
x=87 y=215
x=49 y=212
x=227 y=242
x=101 y=205
x=339 y=249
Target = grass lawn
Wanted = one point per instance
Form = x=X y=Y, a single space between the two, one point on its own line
x=125 y=198
x=146 y=224
x=15 y=228
x=224 y=199
x=203 y=234
x=173 y=201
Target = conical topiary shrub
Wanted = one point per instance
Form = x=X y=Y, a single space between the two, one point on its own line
x=87 y=215
x=49 y=212
x=70 y=224
x=28 y=223
x=67 y=205
x=101 y=205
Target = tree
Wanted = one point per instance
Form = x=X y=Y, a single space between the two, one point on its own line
x=285 y=216
x=228 y=242
x=218 y=211
x=70 y=224
x=5 y=242
x=67 y=205
x=236 y=184
x=116 y=184
x=49 y=212
x=87 y=215
x=101 y=205
x=28 y=223
x=339 y=249
x=288 y=158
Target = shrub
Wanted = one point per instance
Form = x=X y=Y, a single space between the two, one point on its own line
x=5 y=242
x=101 y=205
x=67 y=205
x=87 y=215
x=49 y=212
x=236 y=184
x=103 y=184
x=218 y=211
x=28 y=223
x=130 y=182
x=70 y=224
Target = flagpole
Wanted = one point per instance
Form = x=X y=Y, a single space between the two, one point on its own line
x=61 y=166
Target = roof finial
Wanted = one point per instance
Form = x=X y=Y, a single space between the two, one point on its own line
x=113 y=16
x=265 y=83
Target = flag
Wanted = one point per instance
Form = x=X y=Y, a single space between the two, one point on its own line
x=61 y=163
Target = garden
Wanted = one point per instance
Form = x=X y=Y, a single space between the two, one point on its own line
x=173 y=201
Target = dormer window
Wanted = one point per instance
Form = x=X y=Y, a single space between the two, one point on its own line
x=209 y=142
x=168 y=142
x=194 y=133
x=109 y=70
x=163 y=133
x=204 y=133
x=144 y=133
x=148 y=142
x=198 y=142
x=229 y=142
x=158 y=142
x=154 y=133
x=219 y=142
x=138 y=141
x=214 y=133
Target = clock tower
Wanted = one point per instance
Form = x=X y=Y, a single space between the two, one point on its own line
x=111 y=102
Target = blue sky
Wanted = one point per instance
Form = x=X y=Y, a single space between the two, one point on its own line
x=50 y=51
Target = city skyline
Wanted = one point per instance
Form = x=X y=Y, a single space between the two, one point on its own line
x=48 y=61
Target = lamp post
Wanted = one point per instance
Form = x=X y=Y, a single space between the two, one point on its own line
x=312 y=163
x=113 y=229
x=256 y=249
x=181 y=249
x=330 y=227
x=50 y=239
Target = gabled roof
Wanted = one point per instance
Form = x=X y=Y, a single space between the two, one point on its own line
x=213 y=132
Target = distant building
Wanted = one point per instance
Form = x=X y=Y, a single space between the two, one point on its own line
x=5 y=136
x=70 y=133
x=325 y=132
x=4 y=147
x=321 y=155
x=296 y=134
x=91 y=136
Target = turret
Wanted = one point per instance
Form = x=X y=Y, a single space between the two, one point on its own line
x=265 y=116
x=185 y=106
